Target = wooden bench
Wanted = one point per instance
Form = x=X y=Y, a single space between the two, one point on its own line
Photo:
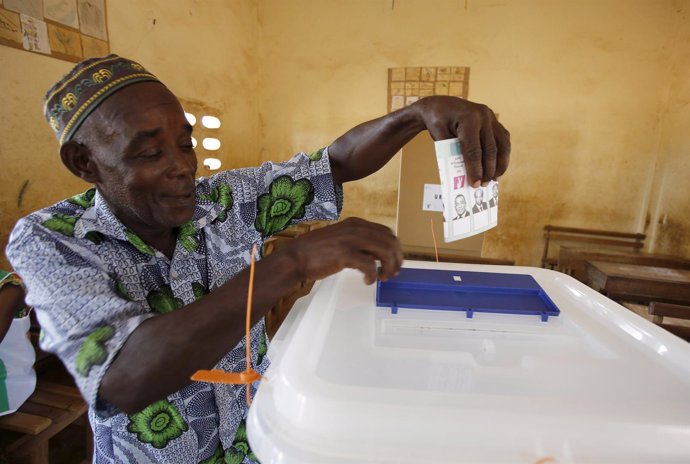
x=452 y=258
x=660 y=310
x=48 y=411
x=554 y=236
x=571 y=260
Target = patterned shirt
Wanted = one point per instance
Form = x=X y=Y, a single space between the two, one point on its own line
x=92 y=281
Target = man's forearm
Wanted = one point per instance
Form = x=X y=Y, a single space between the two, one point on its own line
x=484 y=142
x=365 y=148
x=160 y=356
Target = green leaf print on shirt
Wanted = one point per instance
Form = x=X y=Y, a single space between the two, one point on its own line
x=61 y=223
x=223 y=196
x=93 y=350
x=138 y=243
x=187 y=236
x=121 y=290
x=240 y=447
x=263 y=348
x=158 y=424
x=93 y=236
x=217 y=458
x=316 y=155
x=84 y=199
x=285 y=201
x=163 y=301
x=198 y=290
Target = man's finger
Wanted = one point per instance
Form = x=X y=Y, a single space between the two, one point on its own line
x=503 y=145
x=471 y=148
x=489 y=151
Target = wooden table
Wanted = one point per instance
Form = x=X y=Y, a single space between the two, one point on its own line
x=571 y=260
x=638 y=283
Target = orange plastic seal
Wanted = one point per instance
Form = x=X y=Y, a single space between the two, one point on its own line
x=249 y=375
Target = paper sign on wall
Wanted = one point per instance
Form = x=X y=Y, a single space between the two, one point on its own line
x=432 y=200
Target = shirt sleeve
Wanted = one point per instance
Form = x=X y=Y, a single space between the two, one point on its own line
x=85 y=320
x=274 y=196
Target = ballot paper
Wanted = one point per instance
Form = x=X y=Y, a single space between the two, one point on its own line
x=466 y=210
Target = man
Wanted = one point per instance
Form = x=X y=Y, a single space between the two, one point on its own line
x=493 y=201
x=142 y=281
x=461 y=207
x=479 y=204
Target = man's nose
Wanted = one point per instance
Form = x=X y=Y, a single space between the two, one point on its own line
x=183 y=163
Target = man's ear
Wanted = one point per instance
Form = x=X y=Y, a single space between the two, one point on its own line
x=79 y=160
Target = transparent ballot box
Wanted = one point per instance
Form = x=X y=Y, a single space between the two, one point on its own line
x=354 y=382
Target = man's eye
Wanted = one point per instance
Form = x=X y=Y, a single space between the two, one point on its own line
x=149 y=154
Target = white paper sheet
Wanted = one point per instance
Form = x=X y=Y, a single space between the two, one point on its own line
x=466 y=211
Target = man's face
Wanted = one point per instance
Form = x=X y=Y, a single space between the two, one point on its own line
x=460 y=204
x=141 y=144
x=478 y=195
x=494 y=191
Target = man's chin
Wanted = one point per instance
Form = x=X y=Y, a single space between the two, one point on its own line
x=180 y=217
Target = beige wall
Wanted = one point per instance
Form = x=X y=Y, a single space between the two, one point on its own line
x=670 y=202
x=595 y=94
x=582 y=86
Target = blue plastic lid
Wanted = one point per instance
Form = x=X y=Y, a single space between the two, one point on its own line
x=465 y=291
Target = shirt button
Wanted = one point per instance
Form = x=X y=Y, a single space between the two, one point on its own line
x=174 y=274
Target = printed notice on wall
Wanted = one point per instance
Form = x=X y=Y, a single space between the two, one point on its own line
x=466 y=211
x=432 y=200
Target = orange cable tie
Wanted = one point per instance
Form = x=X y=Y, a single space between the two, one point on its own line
x=249 y=375
x=433 y=236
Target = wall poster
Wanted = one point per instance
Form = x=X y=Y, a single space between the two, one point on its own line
x=407 y=85
x=69 y=30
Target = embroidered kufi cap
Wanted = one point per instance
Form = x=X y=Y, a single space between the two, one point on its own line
x=70 y=101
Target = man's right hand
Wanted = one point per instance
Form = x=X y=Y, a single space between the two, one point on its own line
x=353 y=243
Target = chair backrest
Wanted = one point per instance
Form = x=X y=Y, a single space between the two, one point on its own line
x=554 y=236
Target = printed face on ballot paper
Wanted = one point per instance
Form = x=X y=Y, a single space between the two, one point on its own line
x=460 y=204
x=478 y=196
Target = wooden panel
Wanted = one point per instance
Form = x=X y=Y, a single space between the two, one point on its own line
x=657 y=308
x=24 y=423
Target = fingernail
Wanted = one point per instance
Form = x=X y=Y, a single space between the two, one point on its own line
x=484 y=184
x=476 y=184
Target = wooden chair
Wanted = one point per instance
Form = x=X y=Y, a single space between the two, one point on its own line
x=554 y=236
x=660 y=310
x=48 y=411
x=39 y=425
